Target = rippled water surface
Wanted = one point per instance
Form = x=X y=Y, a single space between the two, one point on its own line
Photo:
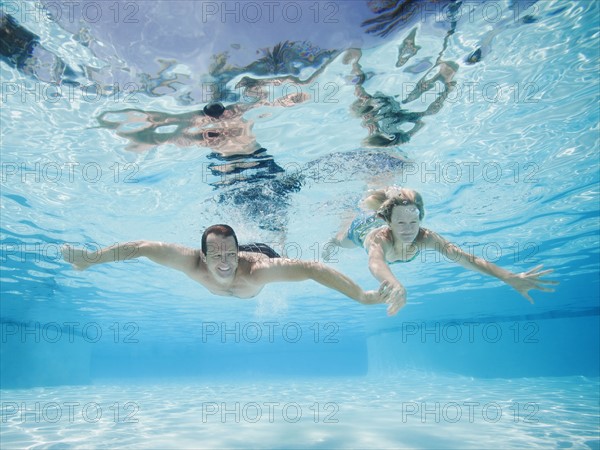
x=507 y=166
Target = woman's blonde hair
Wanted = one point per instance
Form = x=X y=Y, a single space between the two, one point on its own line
x=384 y=200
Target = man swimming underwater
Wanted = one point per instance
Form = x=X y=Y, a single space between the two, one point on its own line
x=227 y=269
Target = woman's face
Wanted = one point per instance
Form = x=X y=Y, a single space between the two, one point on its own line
x=405 y=223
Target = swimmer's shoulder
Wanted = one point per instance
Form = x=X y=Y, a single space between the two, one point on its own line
x=252 y=258
x=256 y=264
x=428 y=238
x=380 y=236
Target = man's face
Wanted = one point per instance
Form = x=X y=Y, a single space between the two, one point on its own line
x=221 y=256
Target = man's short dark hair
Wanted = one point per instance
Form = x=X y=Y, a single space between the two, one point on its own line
x=221 y=230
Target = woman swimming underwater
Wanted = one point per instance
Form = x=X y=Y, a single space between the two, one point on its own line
x=393 y=234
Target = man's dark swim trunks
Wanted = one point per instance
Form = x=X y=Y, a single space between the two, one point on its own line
x=258 y=247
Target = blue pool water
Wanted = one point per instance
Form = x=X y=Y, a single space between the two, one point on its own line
x=488 y=109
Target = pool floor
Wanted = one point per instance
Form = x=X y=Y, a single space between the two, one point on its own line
x=414 y=410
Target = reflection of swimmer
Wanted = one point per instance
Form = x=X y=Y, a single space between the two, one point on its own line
x=225 y=268
x=384 y=118
x=222 y=129
x=392 y=15
x=394 y=235
x=381 y=115
x=241 y=161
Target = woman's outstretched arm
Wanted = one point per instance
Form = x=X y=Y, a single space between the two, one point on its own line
x=522 y=282
x=381 y=271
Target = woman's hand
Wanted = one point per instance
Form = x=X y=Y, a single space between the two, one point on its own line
x=392 y=294
x=525 y=281
x=396 y=299
x=75 y=256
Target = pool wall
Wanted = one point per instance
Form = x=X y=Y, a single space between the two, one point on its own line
x=554 y=343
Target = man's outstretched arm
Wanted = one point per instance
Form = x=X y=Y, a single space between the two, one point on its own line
x=170 y=255
x=288 y=270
